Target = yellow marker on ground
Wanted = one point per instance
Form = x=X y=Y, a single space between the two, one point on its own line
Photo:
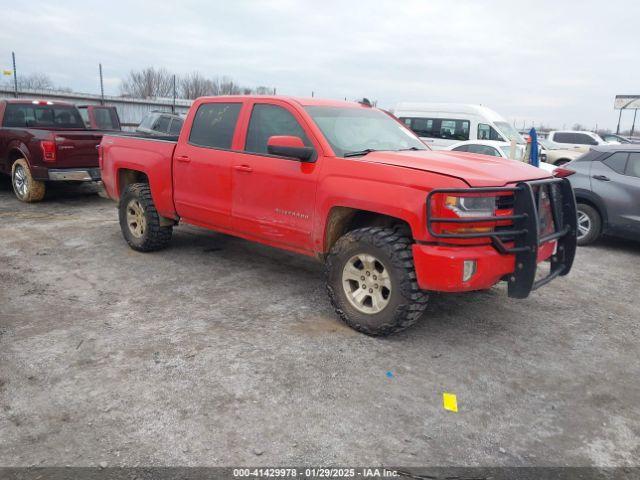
x=450 y=402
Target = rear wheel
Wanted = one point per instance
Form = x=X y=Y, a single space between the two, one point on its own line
x=139 y=220
x=372 y=283
x=24 y=186
x=589 y=224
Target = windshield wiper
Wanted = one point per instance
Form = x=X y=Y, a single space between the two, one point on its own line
x=410 y=148
x=359 y=153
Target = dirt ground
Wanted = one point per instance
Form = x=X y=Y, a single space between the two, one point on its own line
x=218 y=351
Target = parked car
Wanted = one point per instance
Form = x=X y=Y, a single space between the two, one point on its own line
x=100 y=117
x=440 y=125
x=613 y=138
x=556 y=154
x=575 y=139
x=495 y=149
x=347 y=184
x=161 y=123
x=42 y=141
x=488 y=147
x=606 y=182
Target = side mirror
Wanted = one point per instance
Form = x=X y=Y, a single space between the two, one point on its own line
x=289 y=146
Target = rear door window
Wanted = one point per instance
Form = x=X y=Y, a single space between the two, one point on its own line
x=575 y=138
x=214 y=125
x=633 y=165
x=176 y=126
x=162 y=124
x=617 y=162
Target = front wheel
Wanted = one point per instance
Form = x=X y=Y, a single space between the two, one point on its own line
x=371 y=281
x=139 y=220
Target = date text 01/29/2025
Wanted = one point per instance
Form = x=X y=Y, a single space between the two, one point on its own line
x=312 y=473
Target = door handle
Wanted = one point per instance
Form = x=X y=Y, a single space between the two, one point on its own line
x=604 y=178
x=243 y=168
x=183 y=158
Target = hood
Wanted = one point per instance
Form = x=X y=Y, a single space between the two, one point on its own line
x=476 y=170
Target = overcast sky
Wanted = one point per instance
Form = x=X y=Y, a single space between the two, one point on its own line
x=555 y=62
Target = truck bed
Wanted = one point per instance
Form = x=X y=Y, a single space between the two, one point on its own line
x=140 y=152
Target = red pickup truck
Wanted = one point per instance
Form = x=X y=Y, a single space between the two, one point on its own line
x=351 y=186
x=42 y=141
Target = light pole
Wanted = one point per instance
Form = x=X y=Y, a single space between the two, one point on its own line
x=15 y=75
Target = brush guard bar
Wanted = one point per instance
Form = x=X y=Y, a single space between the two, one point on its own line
x=523 y=237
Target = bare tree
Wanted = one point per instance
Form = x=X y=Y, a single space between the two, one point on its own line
x=148 y=83
x=195 y=85
x=35 y=81
x=229 y=87
x=265 y=90
x=579 y=126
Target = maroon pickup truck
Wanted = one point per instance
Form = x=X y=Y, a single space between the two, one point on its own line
x=42 y=141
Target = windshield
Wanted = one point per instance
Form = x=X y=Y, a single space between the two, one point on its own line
x=508 y=130
x=351 y=130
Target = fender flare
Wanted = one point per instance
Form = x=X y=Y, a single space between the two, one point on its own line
x=17 y=146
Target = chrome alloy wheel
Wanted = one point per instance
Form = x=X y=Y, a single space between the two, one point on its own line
x=366 y=283
x=135 y=218
x=584 y=225
x=20 y=181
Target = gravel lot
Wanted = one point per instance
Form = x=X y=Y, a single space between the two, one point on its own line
x=218 y=351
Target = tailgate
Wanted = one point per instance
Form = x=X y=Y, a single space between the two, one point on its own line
x=77 y=148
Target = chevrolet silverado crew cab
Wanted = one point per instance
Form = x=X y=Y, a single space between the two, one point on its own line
x=42 y=141
x=351 y=186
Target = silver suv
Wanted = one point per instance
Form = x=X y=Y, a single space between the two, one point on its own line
x=161 y=123
x=606 y=182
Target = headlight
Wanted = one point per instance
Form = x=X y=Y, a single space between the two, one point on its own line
x=471 y=206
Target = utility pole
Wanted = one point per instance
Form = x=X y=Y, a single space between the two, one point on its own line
x=15 y=75
x=101 y=85
x=618 y=127
x=173 y=107
x=633 y=126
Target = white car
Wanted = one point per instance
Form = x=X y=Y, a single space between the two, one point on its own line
x=578 y=139
x=488 y=147
x=441 y=125
x=495 y=149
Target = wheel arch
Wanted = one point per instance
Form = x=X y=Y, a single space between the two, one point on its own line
x=127 y=176
x=15 y=152
x=591 y=199
x=344 y=219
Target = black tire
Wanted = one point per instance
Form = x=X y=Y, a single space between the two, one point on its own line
x=25 y=187
x=595 y=224
x=152 y=236
x=406 y=302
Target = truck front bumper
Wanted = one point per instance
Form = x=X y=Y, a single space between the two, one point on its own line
x=514 y=252
x=74 y=174
x=441 y=268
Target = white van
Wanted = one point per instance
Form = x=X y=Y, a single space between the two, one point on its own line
x=440 y=125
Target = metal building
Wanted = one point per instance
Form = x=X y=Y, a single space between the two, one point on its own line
x=130 y=110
